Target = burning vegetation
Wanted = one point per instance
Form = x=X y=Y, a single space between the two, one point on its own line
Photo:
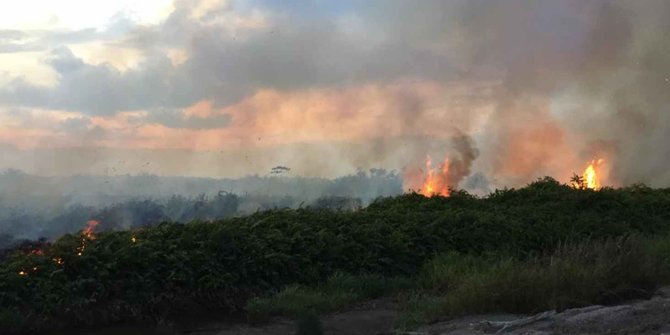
x=41 y=249
x=593 y=176
x=87 y=235
x=437 y=179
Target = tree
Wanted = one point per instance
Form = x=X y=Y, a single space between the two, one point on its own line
x=578 y=182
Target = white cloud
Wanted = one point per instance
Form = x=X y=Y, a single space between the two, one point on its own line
x=205 y=7
x=26 y=65
x=78 y=14
x=98 y=53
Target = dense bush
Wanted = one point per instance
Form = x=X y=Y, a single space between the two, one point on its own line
x=219 y=265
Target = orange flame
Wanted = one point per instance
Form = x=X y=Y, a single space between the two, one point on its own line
x=90 y=226
x=437 y=180
x=87 y=235
x=591 y=176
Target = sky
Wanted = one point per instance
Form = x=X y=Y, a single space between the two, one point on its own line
x=226 y=88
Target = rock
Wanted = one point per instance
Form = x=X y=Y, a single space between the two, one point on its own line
x=637 y=317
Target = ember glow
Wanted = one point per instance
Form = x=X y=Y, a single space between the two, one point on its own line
x=90 y=226
x=38 y=252
x=436 y=179
x=87 y=235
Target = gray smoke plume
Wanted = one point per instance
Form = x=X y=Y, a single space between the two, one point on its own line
x=578 y=80
x=461 y=162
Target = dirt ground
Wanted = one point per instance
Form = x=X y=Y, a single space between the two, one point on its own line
x=642 y=317
x=378 y=317
x=373 y=317
x=638 y=317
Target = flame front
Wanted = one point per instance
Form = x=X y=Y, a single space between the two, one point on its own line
x=591 y=176
x=436 y=181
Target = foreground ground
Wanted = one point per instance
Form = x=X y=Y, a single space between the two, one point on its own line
x=639 y=317
x=378 y=317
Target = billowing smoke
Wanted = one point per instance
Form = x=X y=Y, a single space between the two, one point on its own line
x=460 y=164
x=538 y=87
x=570 y=81
x=441 y=177
x=578 y=80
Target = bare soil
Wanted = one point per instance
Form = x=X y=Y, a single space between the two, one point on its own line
x=378 y=317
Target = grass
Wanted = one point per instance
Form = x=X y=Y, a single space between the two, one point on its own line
x=338 y=292
x=455 y=284
x=605 y=272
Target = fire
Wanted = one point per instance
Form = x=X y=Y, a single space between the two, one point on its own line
x=592 y=178
x=38 y=252
x=90 y=226
x=87 y=235
x=437 y=180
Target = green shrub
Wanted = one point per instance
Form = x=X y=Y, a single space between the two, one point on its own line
x=339 y=291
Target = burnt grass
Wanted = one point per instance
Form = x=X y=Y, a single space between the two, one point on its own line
x=173 y=268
